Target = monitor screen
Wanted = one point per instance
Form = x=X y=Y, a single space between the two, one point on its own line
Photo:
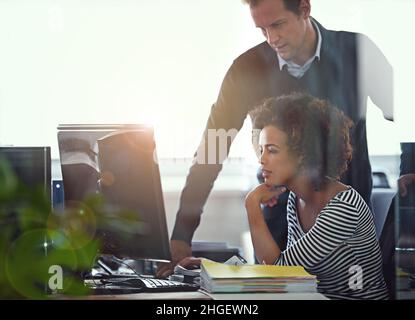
x=32 y=165
x=32 y=168
x=118 y=163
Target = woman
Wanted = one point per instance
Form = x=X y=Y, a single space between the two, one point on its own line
x=304 y=146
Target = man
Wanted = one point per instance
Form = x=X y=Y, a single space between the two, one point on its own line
x=298 y=55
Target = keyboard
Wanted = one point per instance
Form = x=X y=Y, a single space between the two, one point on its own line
x=166 y=285
x=138 y=284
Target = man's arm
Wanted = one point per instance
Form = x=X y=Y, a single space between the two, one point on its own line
x=246 y=84
x=407 y=168
x=227 y=115
x=376 y=74
x=407 y=158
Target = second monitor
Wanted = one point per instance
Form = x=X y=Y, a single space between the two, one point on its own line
x=119 y=163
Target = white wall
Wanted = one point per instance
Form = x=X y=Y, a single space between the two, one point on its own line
x=161 y=61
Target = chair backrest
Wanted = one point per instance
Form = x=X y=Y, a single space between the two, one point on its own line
x=380 y=180
x=381 y=201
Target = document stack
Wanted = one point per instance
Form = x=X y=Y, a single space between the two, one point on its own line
x=223 y=278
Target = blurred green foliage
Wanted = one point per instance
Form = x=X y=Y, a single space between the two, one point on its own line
x=33 y=238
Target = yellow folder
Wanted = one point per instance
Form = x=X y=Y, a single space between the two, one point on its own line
x=217 y=270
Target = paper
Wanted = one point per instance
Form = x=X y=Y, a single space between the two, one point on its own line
x=223 y=278
x=235 y=260
x=222 y=271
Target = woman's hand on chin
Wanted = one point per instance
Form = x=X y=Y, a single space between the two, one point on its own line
x=264 y=194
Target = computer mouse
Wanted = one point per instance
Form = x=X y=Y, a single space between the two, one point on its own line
x=193 y=267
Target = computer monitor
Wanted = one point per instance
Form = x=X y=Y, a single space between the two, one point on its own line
x=119 y=163
x=31 y=165
x=32 y=168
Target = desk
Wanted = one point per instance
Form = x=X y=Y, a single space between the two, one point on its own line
x=201 y=295
x=192 y=295
x=268 y=296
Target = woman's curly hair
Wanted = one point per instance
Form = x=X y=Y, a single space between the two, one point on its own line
x=317 y=133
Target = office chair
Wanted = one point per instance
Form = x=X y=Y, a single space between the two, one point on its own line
x=387 y=247
x=405 y=240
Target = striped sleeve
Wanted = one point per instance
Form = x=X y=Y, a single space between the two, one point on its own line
x=290 y=218
x=335 y=224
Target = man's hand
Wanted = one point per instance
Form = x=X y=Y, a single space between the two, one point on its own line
x=191 y=263
x=403 y=183
x=179 y=250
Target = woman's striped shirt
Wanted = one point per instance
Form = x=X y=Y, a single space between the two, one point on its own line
x=341 y=248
